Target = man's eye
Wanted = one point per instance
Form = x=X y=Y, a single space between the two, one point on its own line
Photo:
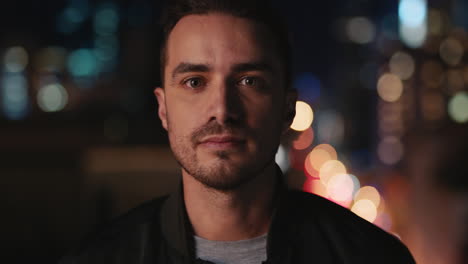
x=249 y=81
x=194 y=83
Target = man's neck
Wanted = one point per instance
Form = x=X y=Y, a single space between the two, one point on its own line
x=234 y=215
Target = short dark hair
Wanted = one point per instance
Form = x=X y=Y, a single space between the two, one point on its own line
x=260 y=11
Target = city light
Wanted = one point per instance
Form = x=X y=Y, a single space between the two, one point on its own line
x=413 y=22
x=52 y=97
x=389 y=87
x=330 y=169
x=304 y=140
x=402 y=65
x=304 y=116
x=82 y=63
x=360 y=30
x=15 y=59
x=451 y=51
x=14 y=96
x=106 y=19
x=365 y=209
x=368 y=193
x=317 y=157
x=458 y=107
x=340 y=189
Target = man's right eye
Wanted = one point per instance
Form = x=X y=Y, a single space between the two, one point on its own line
x=194 y=82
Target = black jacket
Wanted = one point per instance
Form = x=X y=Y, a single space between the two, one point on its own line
x=305 y=229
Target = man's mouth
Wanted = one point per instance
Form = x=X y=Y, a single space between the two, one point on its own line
x=222 y=141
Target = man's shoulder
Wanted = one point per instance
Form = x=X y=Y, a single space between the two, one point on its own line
x=331 y=216
x=343 y=230
x=127 y=230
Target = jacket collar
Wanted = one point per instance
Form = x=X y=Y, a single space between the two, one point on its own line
x=178 y=233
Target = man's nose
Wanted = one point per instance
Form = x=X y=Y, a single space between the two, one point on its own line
x=226 y=103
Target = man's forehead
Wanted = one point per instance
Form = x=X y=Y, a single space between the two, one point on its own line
x=204 y=39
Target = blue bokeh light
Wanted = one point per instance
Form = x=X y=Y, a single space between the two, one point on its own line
x=412 y=13
x=308 y=87
x=106 y=19
x=14 y=95
x=82 y=63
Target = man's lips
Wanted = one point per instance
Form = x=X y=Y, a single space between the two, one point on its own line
x=222 y=141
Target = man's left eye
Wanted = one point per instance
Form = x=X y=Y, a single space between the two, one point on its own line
x=249 y=81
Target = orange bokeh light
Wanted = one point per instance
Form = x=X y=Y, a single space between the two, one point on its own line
x=365 y=209
x=304 y=140
x=340 y=189
x=368 y=193
x=331 y=168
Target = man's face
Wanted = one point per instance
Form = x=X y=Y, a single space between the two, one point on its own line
x=224 y=100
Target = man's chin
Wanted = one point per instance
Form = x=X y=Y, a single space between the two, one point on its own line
x=222 y=177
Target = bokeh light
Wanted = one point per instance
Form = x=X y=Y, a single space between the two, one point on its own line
x=451 y=51
x=15 y=59
x=458 y=107
x=314 y=160
x=390 y=150
x=304 y=116
x=329 y=149
x=365 y=209
x=360 y=30
x=304 y=140
x=52 y=97
x=106 y=47
x=317 y=157
x=356 y=183
x=368 y=193
x=389 y=87
x=106 y=19
x=340 y=189
x=14 y=96
x=315 y=186
x=70 y=19
x=412 y=16
x=402 y=65
x=82 y=63
x=330 y=169
x=384 y=221
x=412 y=13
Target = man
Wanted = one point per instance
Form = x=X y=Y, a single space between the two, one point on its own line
x=225 y=101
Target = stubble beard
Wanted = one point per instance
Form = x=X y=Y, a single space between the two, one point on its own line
x=221 y=173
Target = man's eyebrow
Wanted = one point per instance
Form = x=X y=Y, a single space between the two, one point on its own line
x=185 y=67
x=253 y=66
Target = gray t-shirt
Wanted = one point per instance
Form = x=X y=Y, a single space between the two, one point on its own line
x=250 y=251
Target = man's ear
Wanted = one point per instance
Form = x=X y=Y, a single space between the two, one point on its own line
x=290 y=109
x=161 y=97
